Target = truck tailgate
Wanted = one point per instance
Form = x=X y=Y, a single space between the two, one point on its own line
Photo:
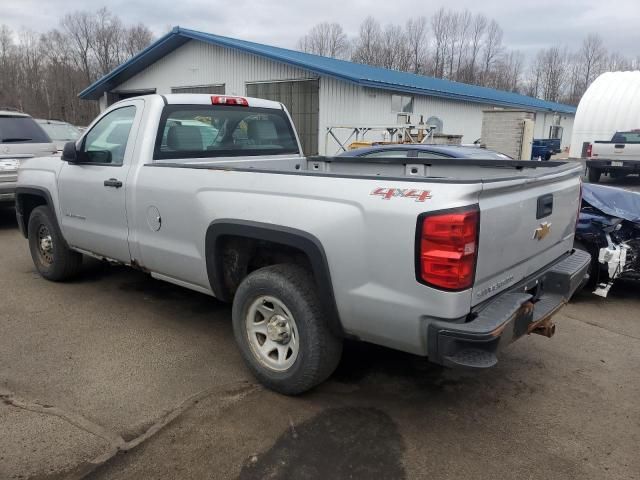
x=616 y=151
x=524 y=226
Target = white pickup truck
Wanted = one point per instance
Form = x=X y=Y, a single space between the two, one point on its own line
x=617 y=157
x=450 y=259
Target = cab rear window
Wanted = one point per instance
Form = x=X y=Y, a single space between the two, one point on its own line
x=626 y=137
x=201 y=131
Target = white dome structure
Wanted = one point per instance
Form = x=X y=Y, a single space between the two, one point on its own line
x=610 y=104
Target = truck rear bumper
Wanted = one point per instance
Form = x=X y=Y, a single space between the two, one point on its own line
x=526 y=308
x=630 y=166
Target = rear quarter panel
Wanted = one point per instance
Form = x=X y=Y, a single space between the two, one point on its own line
x=369 y=241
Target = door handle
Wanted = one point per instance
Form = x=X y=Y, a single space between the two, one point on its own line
x=113 y=182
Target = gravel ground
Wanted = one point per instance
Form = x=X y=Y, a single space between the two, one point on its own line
x=118 y=376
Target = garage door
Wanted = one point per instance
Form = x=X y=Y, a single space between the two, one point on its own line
x=302 y=101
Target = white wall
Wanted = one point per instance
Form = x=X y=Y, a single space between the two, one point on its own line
x=198 y=63
x=341 y=102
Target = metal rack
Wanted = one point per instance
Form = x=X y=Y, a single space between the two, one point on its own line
x=398 y=133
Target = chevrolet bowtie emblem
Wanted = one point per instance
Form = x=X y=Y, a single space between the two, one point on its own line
x=542 y=231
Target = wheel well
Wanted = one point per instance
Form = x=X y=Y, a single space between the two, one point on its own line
x=235 y=248
x=242 y=255
x=26 y=203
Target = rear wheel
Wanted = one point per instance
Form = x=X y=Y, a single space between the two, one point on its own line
x=594 y=175
x=281 y=330
x=50 y=254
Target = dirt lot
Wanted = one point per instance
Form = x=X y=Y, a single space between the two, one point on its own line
x=118 y=376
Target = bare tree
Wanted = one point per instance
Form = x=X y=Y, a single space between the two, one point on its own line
x=135 y=39
x=592 y=58
x=43 y=73
x=8 y=66
x=575 y=85
x=81 y=27
x=440 y=30
x=394 y=51
x=415 y=35
x=616 y=62
x=106 y=41
x=327 y=39
x=553 y=72
x=368 y=44
x=478 y=27
x=462 y=41
x=507 y=72
x=492 y=48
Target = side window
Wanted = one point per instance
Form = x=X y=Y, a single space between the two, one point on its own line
x=107 y=140
x=386 y=154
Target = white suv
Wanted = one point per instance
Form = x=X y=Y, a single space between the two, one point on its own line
x=20 y=136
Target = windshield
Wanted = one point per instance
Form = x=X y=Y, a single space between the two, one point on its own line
x=200 y=131
x=61 y=131
x=19 y=129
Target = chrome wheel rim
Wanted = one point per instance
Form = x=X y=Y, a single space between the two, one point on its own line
x=272 y=333
x=45 y=245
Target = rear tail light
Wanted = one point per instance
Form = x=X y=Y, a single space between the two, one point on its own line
x=589 y=150
x=447 y=248
x=224 y=100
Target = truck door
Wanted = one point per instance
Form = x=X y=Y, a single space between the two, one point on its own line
x=92 y=190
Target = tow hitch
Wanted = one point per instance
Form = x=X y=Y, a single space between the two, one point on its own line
x=544 y=327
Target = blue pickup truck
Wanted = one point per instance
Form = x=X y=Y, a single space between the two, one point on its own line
x=544 y=148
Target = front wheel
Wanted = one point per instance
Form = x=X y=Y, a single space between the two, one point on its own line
x=50 y=254
x=281 y=330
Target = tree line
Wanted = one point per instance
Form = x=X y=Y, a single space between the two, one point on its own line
x=42 y=74
x=469 y=48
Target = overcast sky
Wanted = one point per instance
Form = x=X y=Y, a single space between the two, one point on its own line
x=527 y=25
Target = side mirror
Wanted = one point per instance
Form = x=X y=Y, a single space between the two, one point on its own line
x=69 y=152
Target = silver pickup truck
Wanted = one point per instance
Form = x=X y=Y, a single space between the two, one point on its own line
x=446 y=258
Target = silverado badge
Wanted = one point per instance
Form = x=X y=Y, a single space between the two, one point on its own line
x=542 y=231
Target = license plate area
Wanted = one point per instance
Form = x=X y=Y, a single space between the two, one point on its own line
x=617 y=164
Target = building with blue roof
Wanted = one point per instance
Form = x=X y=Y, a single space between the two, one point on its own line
x=319 y=92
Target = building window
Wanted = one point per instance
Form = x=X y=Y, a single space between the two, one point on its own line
x=555 y=131
x=213 y=89
x=401 y=103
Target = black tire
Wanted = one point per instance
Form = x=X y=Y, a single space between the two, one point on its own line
x=318 y=351
x=594 y=175
x=547 y=157
x=53 y=259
